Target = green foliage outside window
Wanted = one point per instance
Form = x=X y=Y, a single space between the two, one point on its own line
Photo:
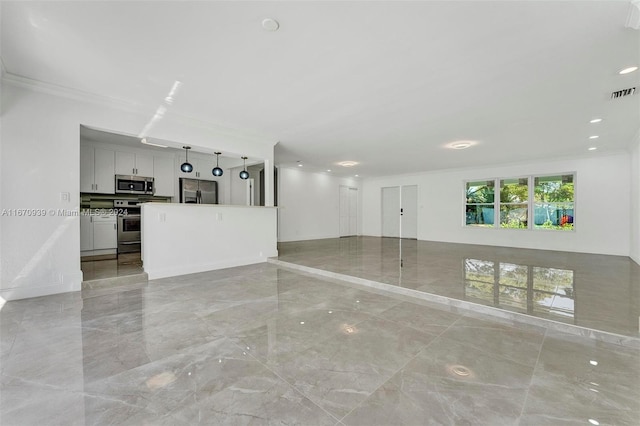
x=552 y=205
x=553 y=202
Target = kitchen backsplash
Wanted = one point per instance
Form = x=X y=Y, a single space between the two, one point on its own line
x=105 y=201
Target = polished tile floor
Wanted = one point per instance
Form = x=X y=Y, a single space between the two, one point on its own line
x=593 y=291
x=125 y=265
x=263 y=345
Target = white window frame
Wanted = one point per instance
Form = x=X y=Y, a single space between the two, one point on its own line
x=530 y=202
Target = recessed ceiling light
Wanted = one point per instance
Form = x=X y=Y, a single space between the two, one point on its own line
x=348 y=163
x=270 y=24
x=594 y=422
x=593 y=148
x=595 y=120
x=299 y=165
x=328 y=170
x=628 y=70
x=357 y=175
x=461 y=144
x=594 y=137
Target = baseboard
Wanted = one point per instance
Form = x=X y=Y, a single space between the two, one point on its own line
x=172 y=271
x=70 y=282
x=307 y=238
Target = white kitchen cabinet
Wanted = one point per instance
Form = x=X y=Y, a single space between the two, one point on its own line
x=164 y=174
x=97 y=170
x=128 y=163
x=98 y=233
x=86 y=233
x=105 y=234
x=202 y=166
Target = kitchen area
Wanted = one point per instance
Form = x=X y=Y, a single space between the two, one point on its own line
x=119 y=174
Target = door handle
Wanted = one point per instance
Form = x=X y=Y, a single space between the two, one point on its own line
x=128 y=243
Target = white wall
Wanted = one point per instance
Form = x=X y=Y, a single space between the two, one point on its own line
x=180 y=239
x=635 y=202
x=40 y=157
x=601 y=183
x=309 y=204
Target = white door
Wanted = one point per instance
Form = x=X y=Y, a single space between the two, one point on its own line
x=409 y=212
x=348 y=211
x=391 y=211
x=353 y=211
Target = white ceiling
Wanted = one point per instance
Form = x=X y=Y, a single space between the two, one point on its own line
x=387 y=84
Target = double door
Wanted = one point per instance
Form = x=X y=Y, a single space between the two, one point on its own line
x=400 y=211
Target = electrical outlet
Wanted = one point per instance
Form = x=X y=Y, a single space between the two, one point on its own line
x=65 y=196
x=162 y=217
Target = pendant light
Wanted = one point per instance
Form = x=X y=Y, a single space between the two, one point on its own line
x=217 y=171
x=186 y=166
x=244 y=174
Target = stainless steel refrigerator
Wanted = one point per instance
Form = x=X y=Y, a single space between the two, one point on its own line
x=195 y=191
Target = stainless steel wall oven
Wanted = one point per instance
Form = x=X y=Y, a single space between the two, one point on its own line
x=129 y=235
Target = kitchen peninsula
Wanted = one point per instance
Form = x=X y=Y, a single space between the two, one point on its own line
x=182 y=239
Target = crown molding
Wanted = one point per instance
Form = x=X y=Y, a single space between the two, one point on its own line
x=69 y=93
x=133 y=107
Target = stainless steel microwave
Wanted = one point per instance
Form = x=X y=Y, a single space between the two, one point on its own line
x=134 y=185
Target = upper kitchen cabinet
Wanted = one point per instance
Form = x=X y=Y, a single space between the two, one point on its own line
x=97 y=170
x=128 y=163
x=165 y=177
x=202 y=166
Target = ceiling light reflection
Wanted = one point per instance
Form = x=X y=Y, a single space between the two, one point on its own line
x=161 y=380
x=461 y=144
x=349 y=329
x=458 y=370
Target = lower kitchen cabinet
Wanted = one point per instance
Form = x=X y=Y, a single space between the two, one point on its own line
x=86 y=233
x=98 y=235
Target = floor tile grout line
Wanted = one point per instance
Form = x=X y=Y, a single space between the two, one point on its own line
x=401 y=368
x=499 y=355
x=295 y=388
x=533 y=373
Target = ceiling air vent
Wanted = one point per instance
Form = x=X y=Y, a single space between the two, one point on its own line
x=624 y=92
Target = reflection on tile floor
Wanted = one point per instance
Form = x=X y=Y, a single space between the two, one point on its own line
x=593 y=291
x=264 y=345
x=99 y=269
